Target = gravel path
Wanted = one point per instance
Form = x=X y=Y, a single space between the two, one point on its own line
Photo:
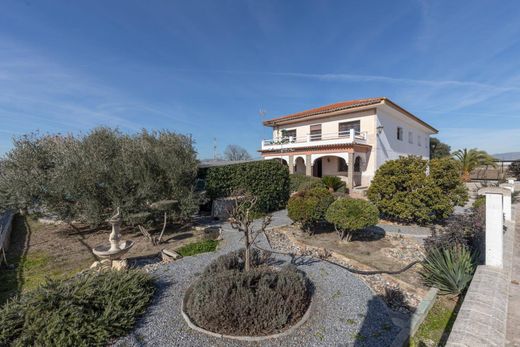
x=344 y=310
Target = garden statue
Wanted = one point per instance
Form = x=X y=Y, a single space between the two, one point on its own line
x=117 y=248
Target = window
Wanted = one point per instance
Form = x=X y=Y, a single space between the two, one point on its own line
x=400 y=133
x=288 y=135
x=316 y=132
x=410 y=137
x=342 y=165
x=344 y=128
x=419 y=140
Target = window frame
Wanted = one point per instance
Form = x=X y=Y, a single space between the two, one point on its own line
x=313 y=137
x=400 y=133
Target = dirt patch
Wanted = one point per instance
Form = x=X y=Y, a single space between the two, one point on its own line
x=38 y=251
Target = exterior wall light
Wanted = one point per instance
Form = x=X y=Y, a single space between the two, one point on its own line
x=380 y=129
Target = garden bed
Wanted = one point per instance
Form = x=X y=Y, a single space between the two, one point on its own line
x=401 y=292
x=39 y=250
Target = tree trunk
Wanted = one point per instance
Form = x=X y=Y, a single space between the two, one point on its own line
x=247 y=257
x=163 y=228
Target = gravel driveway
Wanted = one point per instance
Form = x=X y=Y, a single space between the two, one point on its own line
x=344 y=310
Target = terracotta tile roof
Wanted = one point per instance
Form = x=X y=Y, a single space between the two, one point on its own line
x=325 y=109
x=344 y=106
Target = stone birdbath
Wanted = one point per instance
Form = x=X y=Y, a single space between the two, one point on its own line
x=116 y=248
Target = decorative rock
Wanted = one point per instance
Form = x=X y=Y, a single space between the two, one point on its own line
x=95 y=265
x=168 y=255
x=120 y=265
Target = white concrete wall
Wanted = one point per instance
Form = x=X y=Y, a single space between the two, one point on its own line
x=388 y=147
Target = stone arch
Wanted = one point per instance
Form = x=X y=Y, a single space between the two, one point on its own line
x=299 y=165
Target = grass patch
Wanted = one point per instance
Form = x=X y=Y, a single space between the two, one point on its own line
x=437 y=325
x=88 y=310
x=198 y=247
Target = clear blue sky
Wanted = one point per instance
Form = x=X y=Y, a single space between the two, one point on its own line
x=208 y=67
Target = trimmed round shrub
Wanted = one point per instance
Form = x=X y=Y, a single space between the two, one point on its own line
x=404 y=192
x=301 y=182
x=258 y=302
x=268 y=180
x=351 y=215
x=88 y=310
x=309 y=207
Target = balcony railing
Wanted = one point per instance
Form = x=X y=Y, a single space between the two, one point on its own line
x=340 y=137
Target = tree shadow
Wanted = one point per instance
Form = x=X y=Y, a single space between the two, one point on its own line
x=377 y=328
x=12 y=277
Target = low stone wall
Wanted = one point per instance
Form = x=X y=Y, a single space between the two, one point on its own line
x=482 y=318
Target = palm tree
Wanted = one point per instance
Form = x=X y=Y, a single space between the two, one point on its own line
x=471 y=159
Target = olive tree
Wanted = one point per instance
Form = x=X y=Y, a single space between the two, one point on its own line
x=85 y=177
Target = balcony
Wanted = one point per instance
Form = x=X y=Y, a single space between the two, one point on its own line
x=338 y=138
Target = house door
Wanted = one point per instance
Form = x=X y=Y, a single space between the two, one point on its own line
x=317 y=168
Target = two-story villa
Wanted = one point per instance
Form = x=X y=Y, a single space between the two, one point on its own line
x=350 y=139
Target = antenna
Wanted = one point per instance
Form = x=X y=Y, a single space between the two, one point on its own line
x=214 y=148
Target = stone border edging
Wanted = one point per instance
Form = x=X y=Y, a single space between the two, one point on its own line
x=286 y=332
x=418 y=317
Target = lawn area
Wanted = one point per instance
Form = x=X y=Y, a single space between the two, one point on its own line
x=198 y=247
x=435 y=329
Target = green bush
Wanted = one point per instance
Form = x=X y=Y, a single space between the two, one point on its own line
x=448 y=269
x=333 y=183
x=479 y=201
x=268 y=180
x=351 y=215
x=514 y=169
x=261 y=301
x=198 y=247
x=403 y=192
x=88 y=310
x=84 y=178
x=309 y=207
x=301 y=182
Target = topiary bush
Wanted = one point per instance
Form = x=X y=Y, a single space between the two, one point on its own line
x=333 y=183
x=350 y=216
x=88 y=310
x=262 y=301
x=404 y=192
x=449 y=269
x=309 y=207
x=268 y=180
x=301 y=182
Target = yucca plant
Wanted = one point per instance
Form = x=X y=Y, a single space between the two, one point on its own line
x=448 y=269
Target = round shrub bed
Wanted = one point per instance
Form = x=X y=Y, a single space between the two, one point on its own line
x=230 y=301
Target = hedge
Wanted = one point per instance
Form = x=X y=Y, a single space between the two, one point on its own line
x=268 y=180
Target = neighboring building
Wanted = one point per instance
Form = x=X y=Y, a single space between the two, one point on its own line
x=350 y=139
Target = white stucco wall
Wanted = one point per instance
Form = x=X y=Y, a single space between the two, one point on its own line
x=388 y=147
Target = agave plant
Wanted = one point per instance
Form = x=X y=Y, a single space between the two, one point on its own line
x=448 y=269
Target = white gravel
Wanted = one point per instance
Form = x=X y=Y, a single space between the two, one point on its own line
x=345 y=311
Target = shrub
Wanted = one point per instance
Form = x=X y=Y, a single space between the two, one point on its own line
x=258 y=302
x=84 y=178
x=514 y=169
x=479 y=201
x=333 y=183
x=465 y=230
x=268 y=180
x=449 y=269
x=309 y=207
x=351 y=215
x=301 y=182
x=402 y=191
x=87 y=310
